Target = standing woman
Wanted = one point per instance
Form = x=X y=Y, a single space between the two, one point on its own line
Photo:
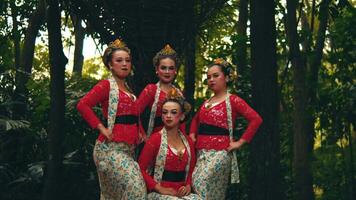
x=153 y=95
x=212 y=130
x=170 y=153
x=119 y=174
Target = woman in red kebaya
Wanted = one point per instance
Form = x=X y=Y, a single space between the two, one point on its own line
x=212 y=130
x=153 y=95
x=170 y=154
x=119 y=174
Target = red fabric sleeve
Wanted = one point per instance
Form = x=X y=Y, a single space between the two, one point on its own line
x=141 y=129
x=254 y=119
x=194 y=125
x=192 y=161
x=98 y=94
x=148 y=158
x=146 y=97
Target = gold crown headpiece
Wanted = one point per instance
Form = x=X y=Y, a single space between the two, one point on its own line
x=227 y=66
x=175 y=94
x=220 y=61
x=167 y=50
x=117 y=44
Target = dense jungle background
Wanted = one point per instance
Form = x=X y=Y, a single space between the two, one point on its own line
x=296 y=65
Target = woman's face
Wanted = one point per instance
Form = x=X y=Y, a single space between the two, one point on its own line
x=166 y=70
x=216 y=79
x=120 y=64
x=171 y=114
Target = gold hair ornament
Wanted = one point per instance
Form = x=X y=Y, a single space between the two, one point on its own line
x=174 y=94
x=167 y=50
x=117 y=44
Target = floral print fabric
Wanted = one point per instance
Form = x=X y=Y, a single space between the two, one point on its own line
x=211 y=174
x=119 y=174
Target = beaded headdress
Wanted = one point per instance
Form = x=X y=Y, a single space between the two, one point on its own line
x=228 y=68
x=174 y=95
x=167 y=51
x=220 y=61
x=117 y=44
x=114 y=45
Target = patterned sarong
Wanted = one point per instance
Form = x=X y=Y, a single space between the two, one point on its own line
x=119 y=174
x=157 y=196
x=211 y=174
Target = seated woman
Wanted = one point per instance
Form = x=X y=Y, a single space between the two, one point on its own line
x=170 y=154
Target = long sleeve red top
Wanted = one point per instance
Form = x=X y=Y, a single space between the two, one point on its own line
x=146 y=99
x=173 y=163
x=99 y=94
x=217 y=116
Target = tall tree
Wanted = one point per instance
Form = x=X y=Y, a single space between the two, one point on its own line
x=305 y=81
x=52 y=188
x=242 y=36
x=314 y=65
x=24 y=71
x=301 y=159
x=15 y=34
x=190 y=38
x=264 y=159
x=79 y=34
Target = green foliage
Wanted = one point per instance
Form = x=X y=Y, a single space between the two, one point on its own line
x=22 y=169
x=336 y=111
x=94 y=68
x=23 y=144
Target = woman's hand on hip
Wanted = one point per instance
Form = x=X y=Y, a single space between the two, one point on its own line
x=236 y=145
x=105 y=131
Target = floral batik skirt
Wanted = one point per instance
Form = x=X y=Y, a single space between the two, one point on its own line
x=119 y=174
x=157 y=196
x=211 y=174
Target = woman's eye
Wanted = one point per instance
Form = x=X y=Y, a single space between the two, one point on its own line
x=164 y=112
x=171 y=68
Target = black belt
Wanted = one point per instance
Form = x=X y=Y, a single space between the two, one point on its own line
x=158 y=121
x=173 y=176
x=126 y=119
x=207 y=129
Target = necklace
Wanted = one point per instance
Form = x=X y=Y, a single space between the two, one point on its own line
x=210 y=104
x=175 y=147
x=180 y=155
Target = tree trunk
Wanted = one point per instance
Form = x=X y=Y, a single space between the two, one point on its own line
x=190 y=38
x=52 y=188
x=242 y=37
x=27 y=54
x=79 y=35
x=264 y=176
x=16 y=35
x=301 y=160
x=318 y=52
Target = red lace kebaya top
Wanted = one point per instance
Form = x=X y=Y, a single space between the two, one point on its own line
x=173 y=162
x=216 y=116
x=99 y=94
x=147 y=97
